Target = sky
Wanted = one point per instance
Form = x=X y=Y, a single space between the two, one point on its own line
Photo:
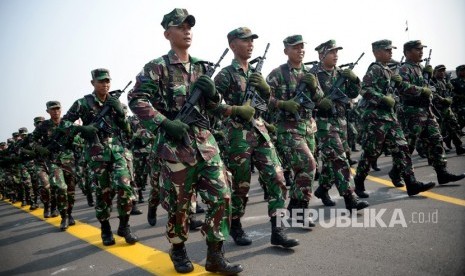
x=49 y=47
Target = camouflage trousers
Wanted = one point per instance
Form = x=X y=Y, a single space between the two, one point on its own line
x=62 y=178
x=297 y=152
x=380 y=134
x=450 y=127
x=241 y=153
x=141 y=169
x=332 y=145
x=155 y=168
x=421 y=124
x=84 y=177
x=26 y=192
x=180 y=181
x=47 y=192
x=112 y=178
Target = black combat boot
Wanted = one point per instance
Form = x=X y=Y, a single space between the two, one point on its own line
x=135 y=210
x=23 y=203
x=90 y=199
x=64 y=220
x=70 y=217
x=53 y=207
x=374 y=166
x=445 y=177
x=287 y=178
x=152 y=215
x=217 y=263
x=322 y=193
x=107 y=235
x=447 y=141
x=396 y=178
x=238 y=234
x=279 y=237
x=415 y=187
x=34 y=204
x=353 y=203
x=194 y=223
x=141 y=196
x=178 y=256
x=459 y=150
x=317 y=174
x=306 y=221
x=293 y=204
x=125 y=231
x=266 y=196
x=47 y=210
x=360 y=187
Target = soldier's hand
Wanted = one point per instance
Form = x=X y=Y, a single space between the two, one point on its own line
x=388 y=101
x=310 y=80
x=116 y=105
x=207 y=86
x=426 y=92
x=175 y=128
x=219 y=135
x=42 y=151
x=270 y=127
x=397 y=79
x=428 y=70
x=245 y=111
x=450 y=86
x=88 y=132
x=289 y=105
x=257 y=81
x=325 y=104
x=349 y=74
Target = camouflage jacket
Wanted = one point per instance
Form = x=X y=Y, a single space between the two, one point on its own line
x=458 y=93
x=327 y=80
x=283 y=88
x=60 y=148
x=412 y=73
x=231 y=83
x=160 y=91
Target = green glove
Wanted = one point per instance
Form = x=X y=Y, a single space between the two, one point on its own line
x=116 y=105
x=310 y=80
x=88 y=132
x=325 y=104
x=388 y=101
x=397 y=79
x=207 y=86
x=257 y=81
x=219 y=135
x=446 y=101
x=245 y=111
x=450 y=86
x=350 y=75
x=428 y=70
x=175 y=129
x=289 y=105
x=270 y=127
x=42 y=151
x=426 y=92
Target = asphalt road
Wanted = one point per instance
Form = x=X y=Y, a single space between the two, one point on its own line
x=398 y=235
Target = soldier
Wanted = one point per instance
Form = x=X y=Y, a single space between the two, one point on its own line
x=332 y=127
x=60 y=163
x=458 y=100
x=417 y=104
x=442 y=100
x=160 y=92
x=105 y=153
x=248 y=138
x=295 y=132
x=26 y=154
x=382 y=125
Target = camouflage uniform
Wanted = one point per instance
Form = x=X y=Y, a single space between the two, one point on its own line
x=418 y=115
x=332 y=130
x=382 y=126
x=28 y=179
x=105 y=156
x=458 y=102
x=295 y=136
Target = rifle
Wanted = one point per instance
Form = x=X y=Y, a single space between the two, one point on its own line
x=392 y=90
x=427 y=80
x=188 y=113
x=335 y=93
x=250 y=94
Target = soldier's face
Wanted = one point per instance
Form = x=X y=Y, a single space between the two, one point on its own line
x=414 y=54
x=295 y=53
x=330 y=60
x=440 y=74
x=383 y=55
x=101 y=87
x=180 y=37
x=55 y=113
x=242 y=48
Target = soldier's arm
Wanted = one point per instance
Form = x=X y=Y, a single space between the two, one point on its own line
x=372 y=88
x=407 y=88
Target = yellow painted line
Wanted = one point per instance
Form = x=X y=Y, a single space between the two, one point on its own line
x=150 y=259
x=429 y=194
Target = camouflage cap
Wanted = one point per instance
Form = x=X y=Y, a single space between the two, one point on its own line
x=327 y=46
x=22 y=130
x=460 y=67
x=2 y=144
x=10 y=141
x=439 y=67
x=293 y=40
x=413 y=44
x=15 y=134
x=176 y=17
x=53 y=104
x=38 y=119
x=100 y=74
x=241 y=32
x=382 y=45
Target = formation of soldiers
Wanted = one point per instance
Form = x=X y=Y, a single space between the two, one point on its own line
x=193 y=136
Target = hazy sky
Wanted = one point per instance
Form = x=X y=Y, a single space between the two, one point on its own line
x=49 y=47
